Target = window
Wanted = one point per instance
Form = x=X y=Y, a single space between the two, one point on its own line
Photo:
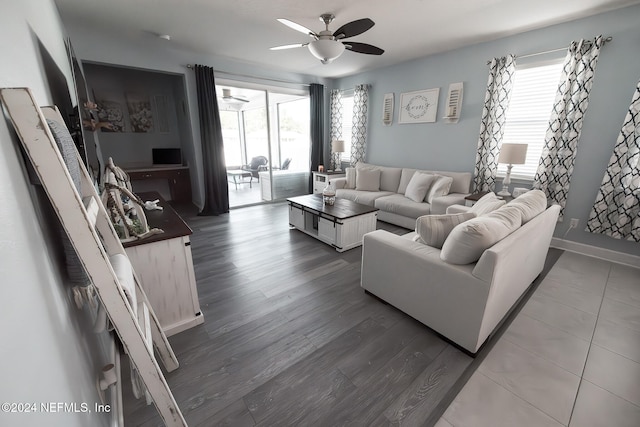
x=347 y=124
x=534 y=91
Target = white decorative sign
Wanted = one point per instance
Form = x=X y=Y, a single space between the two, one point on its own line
x=419 y=107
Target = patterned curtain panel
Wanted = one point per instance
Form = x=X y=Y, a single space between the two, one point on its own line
x=359 y=129
x=336 y=119
x=616 y=211
x=561 y=141
x=496 y=102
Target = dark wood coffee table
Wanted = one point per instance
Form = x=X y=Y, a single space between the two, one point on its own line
x=340 y=225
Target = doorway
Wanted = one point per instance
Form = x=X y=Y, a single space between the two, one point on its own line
x=266 y=142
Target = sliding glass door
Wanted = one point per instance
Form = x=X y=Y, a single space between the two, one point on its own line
x=266 y=149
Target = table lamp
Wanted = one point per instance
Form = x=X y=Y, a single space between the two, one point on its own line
x=337 y=147
x=512 y=154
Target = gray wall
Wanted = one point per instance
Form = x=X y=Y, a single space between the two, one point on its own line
x=115 y=84
x=48 y=351
x=158 y=55
x=453 y=146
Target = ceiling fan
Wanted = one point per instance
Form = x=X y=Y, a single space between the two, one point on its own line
x=226 y=96
x=327 y=46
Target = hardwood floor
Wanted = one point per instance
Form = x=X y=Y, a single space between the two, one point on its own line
x=290 y=338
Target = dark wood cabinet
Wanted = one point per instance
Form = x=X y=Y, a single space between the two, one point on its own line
x=177 y=177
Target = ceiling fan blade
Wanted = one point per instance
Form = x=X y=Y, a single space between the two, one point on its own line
x=353 y=28
x=363 y=48
x=239 y=99
x=297 y=27
x=289 y=46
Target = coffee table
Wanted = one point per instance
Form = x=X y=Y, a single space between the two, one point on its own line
x=340 y=225
x=238 y=173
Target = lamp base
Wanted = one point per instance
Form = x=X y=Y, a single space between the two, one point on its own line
x=504 y=193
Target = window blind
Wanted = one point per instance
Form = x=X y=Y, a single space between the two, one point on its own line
x=527 y=119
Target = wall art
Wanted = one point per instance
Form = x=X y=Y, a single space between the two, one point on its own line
x=419 y=106
x=140 y=115
x=110 y=115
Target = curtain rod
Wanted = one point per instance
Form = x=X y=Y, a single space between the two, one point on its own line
x=606 y=40
x=190 y=66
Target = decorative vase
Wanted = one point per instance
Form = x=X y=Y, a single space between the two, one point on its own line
x=329 y=195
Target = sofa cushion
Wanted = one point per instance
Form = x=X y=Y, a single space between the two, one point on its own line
x=405 y=177
x=461 y=181
x=401 y=205
x=440 y=187
x=363 y=197
x=460 y=184
x=389 y=176
x=486 y=204
x=469 y=240
x=368 y=179
x=419 y=186
x=350 y=175
x=530 y=204
x=434 y=229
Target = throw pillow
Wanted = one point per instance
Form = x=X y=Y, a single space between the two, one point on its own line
x=367 y=179
x=440 y=187
x=350 y=175
x=469 y=240
x=530 y=204
x=487 y=203
x=419 y=186
x=434 y=229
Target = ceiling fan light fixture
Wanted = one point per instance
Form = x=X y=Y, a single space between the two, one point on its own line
x=326 y=50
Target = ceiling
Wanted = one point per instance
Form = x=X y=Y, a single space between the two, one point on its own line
x=245 y=29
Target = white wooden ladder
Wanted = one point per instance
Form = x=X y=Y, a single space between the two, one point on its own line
x=87 y=224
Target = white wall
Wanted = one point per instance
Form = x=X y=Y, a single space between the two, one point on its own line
x=47 y=353
x=453 y=146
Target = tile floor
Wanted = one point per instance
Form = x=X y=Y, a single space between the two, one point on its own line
x=571 y=357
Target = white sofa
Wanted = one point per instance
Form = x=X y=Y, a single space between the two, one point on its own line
x=390 y=198
x=465 y=303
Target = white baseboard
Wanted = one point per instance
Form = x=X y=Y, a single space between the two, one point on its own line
x=596 y=252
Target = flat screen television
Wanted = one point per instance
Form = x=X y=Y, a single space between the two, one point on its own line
x=166 y=156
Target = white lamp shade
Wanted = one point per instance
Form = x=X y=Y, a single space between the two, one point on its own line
x=513 y=154
x=337 y=146
x=326 y=50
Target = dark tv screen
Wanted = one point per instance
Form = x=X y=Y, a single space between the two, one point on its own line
x=166 y=156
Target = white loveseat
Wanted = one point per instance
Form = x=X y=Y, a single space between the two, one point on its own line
x=389 y=194
x=463 y=302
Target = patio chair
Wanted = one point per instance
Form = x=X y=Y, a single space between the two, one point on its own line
x=256 y=165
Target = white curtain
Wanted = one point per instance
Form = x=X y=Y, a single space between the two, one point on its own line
x=496 y=102
x=616 y=211
x=336 y=120
x=359 y=129
x=561 y=141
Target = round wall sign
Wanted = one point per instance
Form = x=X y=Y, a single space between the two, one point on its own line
x=417 y=106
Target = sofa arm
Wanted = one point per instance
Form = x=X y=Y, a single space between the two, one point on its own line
x=440 y=204
x=411 y=276
x=339 y=183
x=456 y=209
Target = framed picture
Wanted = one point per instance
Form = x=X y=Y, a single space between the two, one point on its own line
x=110 y=115
x=419 y=106
x=140 y=115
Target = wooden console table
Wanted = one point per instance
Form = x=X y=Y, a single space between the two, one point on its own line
x=177 y=177
x=164 y=265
